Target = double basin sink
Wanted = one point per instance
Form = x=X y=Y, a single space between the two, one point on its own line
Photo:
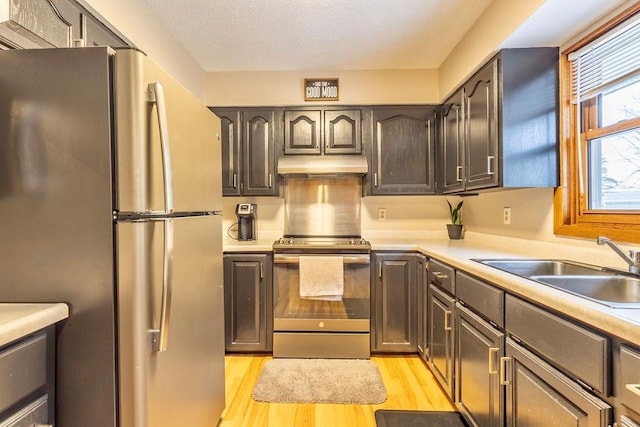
x=608 y=287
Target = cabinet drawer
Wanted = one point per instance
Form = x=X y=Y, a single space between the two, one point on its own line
x=630 y=378
x=23 y=369
x=442 y=275
x=571 y=347
x=486 y=300
x=34 y=414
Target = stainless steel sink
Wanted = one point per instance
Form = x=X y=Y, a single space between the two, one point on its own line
x=607 y=287
x=543 y=267
x=613 y=290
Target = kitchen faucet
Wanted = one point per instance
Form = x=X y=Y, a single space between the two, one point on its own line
x=633 y=259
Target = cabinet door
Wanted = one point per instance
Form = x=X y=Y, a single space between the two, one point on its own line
x=441 y=335
x=452 y=144
x=94 y=33
x=402 y=157
x=395 y=303
x=258 y=138
x=342 y=132
x=302 y=132
x=247 y=309
x=478 y=349
x=538 y=395
x=230 y=147
x=481 y=128
x=422 y=283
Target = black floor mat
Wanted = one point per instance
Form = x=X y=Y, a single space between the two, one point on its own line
x=391 y=418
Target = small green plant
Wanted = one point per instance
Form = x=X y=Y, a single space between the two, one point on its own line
x=456 y=213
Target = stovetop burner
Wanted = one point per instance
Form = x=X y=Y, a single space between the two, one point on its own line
x=324 y=244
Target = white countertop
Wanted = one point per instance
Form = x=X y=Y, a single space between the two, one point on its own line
x=18 y=320
x=623 y=323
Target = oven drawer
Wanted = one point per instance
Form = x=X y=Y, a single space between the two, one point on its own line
x=321 y=345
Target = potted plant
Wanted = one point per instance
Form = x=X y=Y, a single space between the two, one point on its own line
x=455 y=229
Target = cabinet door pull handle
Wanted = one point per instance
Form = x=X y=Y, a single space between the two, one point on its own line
x=447 y=320
x=490 y=159
x=493 y=354
x=439 y=276
x=235 y=180
x=379 y=269
x=503 y=371
x=375 y=179
x=633 y=388
x=459 y=173
x=270 y=180
x=262 y=270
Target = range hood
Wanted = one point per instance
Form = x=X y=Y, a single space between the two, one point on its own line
x=327 y=165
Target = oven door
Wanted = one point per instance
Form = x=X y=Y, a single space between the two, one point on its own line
x=293 y=313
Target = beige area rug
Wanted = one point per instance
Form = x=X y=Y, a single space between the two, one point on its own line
x=347 y=381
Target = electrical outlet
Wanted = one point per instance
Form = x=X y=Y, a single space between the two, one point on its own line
x=506 y=215
x=382 y=214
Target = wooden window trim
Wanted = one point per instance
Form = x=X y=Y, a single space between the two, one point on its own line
x=571 y=218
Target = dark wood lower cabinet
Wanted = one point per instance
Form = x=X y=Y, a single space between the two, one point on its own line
x=538 y=395
x=441 y=336
x=248 y=309
x=395 y=303
x=478 y=349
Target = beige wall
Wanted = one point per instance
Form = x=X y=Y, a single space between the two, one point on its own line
x=484 y=39
x=136 y=21
x=356 y=87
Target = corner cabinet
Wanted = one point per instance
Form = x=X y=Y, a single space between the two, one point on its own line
x=402 y=154
x=248 y=291
x=317 y=131
x=500 y=129
x=394 y=310
x=248 y=151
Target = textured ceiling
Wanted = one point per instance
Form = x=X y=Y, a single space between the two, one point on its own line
x=277 y=35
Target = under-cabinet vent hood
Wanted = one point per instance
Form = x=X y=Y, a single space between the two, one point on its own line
x=345 y=165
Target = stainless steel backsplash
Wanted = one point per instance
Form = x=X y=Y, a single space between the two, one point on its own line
x=322 y=206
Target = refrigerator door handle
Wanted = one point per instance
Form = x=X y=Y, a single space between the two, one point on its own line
x=156 y=96
x=160 y=336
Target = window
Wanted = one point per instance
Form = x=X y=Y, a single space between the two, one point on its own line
x=600 y=193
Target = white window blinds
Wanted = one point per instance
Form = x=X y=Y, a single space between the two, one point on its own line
x=607 y=63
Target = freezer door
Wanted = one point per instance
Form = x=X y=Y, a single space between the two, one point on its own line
x=153 y=110
x=184 y=384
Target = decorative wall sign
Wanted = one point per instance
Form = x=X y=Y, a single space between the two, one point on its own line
x=320 y=89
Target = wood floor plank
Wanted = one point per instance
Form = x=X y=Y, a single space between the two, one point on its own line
x=409 y=384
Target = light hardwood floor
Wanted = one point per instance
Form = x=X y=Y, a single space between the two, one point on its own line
x=409 y=383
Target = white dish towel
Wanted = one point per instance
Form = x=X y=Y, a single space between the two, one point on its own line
x=322 y=277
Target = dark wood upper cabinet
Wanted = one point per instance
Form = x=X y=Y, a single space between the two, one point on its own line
x=342 y=132
x=402 y=157
x=302 y=131
x=452 y=143
x=248 y=142
x=258 y=142
x=322 y=131
x=500 y=128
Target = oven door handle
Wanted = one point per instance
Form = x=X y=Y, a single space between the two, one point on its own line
x=295 y=259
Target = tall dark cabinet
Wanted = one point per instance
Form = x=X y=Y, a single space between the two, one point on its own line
x=402 y=154
x=248 y=297
x=248 y=141
x=500 y=128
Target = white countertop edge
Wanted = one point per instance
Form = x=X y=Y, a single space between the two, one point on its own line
x=20 y=319
x=622 y=323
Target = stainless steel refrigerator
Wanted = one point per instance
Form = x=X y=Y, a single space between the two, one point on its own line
x=110 y=201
